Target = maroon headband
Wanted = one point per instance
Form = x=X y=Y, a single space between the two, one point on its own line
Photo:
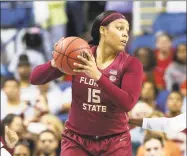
x=111 y=18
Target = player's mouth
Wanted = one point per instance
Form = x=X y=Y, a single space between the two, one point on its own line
x=123 y=42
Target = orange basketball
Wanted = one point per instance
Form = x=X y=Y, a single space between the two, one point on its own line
x=66 y=51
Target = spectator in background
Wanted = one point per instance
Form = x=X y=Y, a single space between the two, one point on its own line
x=184 y=93
x=53 y=104
x=48 y=144
x=28 y=91
x=53 y=124
x=12 y=103
x=22 y=149
x=15 y=123
x=33 y=41
x=167 y=147
x=148 y=94
x=76 y=18
x=174 y=105
x=154 y=145
x=140 y=110
x=175 y=74
x=147 y=58
x=54 y=24
x=164 y=56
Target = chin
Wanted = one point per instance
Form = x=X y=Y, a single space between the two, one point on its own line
x=120 y=48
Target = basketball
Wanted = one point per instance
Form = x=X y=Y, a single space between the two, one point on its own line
x=66 y=51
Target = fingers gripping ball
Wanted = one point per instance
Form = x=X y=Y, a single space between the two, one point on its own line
x=66 y=51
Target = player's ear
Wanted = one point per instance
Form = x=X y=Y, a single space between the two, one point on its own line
x=102 y=30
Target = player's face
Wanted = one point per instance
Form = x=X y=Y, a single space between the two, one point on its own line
x=174 y=102
x=48 y=143
x=21 y=150
x=11 y=89
x=181 y=53
x=163 y=44
x=153 y=147
x=117 y=34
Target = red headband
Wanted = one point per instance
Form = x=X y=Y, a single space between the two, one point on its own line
x=111 y=18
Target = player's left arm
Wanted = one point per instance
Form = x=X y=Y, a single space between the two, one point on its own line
x=124 y=97
x=131 y=85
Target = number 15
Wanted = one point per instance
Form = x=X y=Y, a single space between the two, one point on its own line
x=93 y=95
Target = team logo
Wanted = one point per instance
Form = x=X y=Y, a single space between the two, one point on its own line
x=112 y=78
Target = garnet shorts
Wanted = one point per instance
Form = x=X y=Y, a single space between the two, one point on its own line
x=77 y=145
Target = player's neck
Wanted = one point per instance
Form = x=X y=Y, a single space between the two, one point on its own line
x=104 y=53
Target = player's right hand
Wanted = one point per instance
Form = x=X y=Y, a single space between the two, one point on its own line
x=11 y=137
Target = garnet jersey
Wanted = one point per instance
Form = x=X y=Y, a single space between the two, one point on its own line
x=100 y=108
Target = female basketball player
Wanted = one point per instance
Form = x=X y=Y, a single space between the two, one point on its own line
x=105 y=89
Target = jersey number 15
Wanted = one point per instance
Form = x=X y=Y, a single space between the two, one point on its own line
x=93 y=95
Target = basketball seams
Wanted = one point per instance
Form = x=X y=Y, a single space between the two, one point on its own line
x=66 y=50
x=66 y=55
x=59 y=54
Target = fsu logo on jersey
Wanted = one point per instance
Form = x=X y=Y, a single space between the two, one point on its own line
x=113 y=73
x=112 y=78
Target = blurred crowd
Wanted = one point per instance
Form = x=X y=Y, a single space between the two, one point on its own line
x=38 y=113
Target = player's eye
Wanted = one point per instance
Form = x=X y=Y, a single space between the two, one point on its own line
x=120 y=28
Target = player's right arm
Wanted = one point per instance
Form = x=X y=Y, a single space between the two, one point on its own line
x=45 y=73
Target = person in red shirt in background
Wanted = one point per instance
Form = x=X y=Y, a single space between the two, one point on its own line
x=164 y=56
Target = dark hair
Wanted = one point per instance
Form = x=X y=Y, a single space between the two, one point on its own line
x=175 y=59
x=161 y=33
x=32 y=40
x=151 y=57
x=10 y=79
x=151 y=135
x=23 y=60
x=96 y=25
x=49 y=131
x=28 y=143
x=7 y=121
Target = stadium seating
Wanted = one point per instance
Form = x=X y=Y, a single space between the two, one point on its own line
x=147 y=40
x=178 y=40
x=172 y=23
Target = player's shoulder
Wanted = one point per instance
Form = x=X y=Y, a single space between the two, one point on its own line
x=128 y=59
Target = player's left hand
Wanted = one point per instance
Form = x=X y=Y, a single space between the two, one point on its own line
x=11 y=137
x=89 y=67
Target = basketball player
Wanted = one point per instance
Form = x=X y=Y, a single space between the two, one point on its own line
x=175 y=124
x=105 y=89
